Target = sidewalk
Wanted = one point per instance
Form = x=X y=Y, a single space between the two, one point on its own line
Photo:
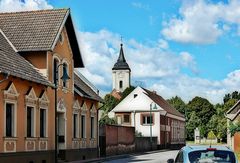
x=115 y=157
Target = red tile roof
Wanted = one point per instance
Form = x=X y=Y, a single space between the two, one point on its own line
x=163 y=103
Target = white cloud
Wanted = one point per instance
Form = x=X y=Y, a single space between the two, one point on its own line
x=200 y=21
x=188 y=87
x=20 y=5
x=157 y=68
x=163 y=44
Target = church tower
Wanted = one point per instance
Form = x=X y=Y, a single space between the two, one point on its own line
x=121 y=73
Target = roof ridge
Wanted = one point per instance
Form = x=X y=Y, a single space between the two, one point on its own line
x=9 y=42
x=29 y=11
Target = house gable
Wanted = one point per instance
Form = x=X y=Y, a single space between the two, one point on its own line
x=234 y=112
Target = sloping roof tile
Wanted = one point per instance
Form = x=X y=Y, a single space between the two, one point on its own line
x=16 y=65
x=85 y=90
x=32 y=30
x=162 y=103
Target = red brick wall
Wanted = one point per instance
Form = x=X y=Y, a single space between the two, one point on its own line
x=119 y=139
x=237 y=142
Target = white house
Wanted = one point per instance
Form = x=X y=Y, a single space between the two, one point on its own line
x=168 y=125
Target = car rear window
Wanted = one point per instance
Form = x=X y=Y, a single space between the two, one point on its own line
x=211 y=156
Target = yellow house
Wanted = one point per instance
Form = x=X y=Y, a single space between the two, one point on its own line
x=37 y=47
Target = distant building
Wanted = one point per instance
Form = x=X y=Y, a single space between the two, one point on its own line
x=233 y=115
x=32 y=45
x=121 y=73
x=168 y=125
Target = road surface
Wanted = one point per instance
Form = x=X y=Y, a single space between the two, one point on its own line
x=154 y=157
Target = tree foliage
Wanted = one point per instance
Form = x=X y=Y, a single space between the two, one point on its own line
x=234 y=95
x=109 y=103
x=233 y=128
x=211 y=135
x=178 y=104
x=126 y=92
x=106 y=120
x=203 y=109
x=191 y=125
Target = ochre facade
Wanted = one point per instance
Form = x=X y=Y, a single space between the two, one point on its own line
x=22 y=93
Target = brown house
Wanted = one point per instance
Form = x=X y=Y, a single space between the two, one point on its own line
x=32 y=45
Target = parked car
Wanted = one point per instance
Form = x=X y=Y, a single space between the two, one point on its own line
x=206 y=154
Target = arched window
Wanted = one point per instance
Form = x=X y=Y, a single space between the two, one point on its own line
x=120 y=84
x=65 y=71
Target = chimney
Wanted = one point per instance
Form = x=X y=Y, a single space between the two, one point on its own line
x=155 y=92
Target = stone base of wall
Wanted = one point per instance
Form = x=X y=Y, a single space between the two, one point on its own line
x=78 y=154
x=28 y=157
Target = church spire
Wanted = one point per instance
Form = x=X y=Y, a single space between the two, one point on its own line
x=121 y=63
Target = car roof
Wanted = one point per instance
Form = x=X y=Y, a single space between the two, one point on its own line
x=190 y=148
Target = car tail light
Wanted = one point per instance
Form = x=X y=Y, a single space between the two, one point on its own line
x=211 y=149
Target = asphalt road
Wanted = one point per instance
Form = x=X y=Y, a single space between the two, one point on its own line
x=154 y=157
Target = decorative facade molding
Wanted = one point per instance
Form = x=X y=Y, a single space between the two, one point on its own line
x=11 y=93
x=43 y=101
x=31 y=98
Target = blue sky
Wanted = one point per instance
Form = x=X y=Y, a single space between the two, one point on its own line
x=177 y=47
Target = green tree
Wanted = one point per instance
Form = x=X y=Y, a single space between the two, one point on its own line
x=127 y=91
x=234 y=127
x=178 y=104
x=191 y=125
x=106 y=120
x=203 y=109
x=109 y=103
x=211 y=135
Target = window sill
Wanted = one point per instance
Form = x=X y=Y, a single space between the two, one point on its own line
x=10 y=138
x=31 y=138
x=76 y=139
x=43 y=138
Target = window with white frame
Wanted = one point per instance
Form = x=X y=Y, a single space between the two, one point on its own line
x=43 y=121
x=75 y=125
x=92 y=127
x=10 y=120
x=83 y=126
x=147 y=119
x=30 y=121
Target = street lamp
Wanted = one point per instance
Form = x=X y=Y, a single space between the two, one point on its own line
x=64 y=78
x=5 y=76
x=154 y=107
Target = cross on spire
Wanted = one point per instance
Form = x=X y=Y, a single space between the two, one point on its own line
x=121 y=40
